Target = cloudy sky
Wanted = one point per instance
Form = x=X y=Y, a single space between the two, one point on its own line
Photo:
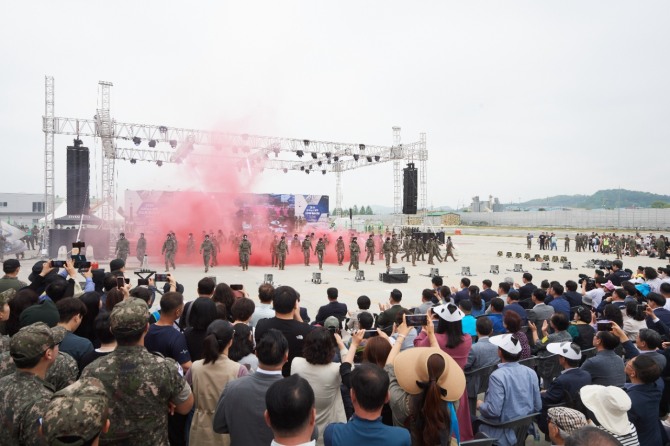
x=519 y=99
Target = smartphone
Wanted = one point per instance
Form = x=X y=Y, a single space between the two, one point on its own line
x=58 y=263
x=82 y=265
x=236 y=287
x=641 y=310
x=604 y=325
x=371 y=333
x=416 y=320
x=161 y=278
x=120 y=282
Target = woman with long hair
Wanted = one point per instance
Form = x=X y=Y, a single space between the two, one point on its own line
x=203 y=313
x=223 y=294
x=317 y=367
x=478 y=307
x=451 y=339
x=424 y=384
x=242 y=350
x=208 y=377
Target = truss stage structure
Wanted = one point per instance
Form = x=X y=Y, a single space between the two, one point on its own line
x=122 y=141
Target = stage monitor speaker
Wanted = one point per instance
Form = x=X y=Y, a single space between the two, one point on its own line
x=394 y=278
x=410 y=189
x=267 y=278
x=465 y=271
x=78 y=176
x=518 y=268
x=545 y=266
x=495 y=269
x=360 y=275
x=434 y=272
x=396 y=270
x=316 y=278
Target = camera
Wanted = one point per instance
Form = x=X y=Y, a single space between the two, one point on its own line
x=590 y=282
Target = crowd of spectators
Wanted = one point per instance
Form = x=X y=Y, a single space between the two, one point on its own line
x=83 y=363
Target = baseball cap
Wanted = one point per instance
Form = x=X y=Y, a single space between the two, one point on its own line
x=643 y=288
x=610 y=405
x=609 y=285
x=507 y=342
x=6 y=296
x=448 y=312
x=411 y=370
x=78 y=411
x=116 y=264
x=33 y=340
x=566 y=349
x=129 y=315
x=567 y=420
x=331 y=322
x=12 y=264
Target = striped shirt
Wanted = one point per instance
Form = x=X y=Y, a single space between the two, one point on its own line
x=629 y=439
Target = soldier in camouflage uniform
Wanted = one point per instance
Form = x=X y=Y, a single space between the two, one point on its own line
x=430 y=250
x=450 y=250
x=566 y=245
x=169 y=250
x=632 y=247
x=339 y=246
x=273 y=251
x=306 y=249
x=206 y=249
x=405 y=247
x=24 y=394
x=380 y=245
x=282 y=252
x=354 y=252
x=436 y=249
x=295 y=244
x=412 y=250
x=122 y=247
x=140 y=384
x=190 y=245
x=5 y=297
x=420 y=249
x=78 y=412
x=216 y=244
x=141 y=247
x=395 y=245
x=245 y=252
x=370 y=250
x=320 y=250
x=388 y=249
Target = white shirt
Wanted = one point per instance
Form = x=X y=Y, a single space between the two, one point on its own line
x=596 y=295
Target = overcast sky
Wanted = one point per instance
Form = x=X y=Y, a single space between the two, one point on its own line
x=519 y=99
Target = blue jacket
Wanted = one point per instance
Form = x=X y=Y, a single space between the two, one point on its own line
x=561 y=304
x=645 y=399
x=365 y=432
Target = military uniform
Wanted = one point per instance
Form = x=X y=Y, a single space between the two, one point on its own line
x=420 y=249
x=395 y=245
x=370 y=249
x=141 y=248
x=412 y=251
x=216 y=248
x=306 y=249
x=190 y=245
x=405 y=247
x=273 y=252
x=206 y=248
x=282 y=252
x=320 y=251
x=122 y=248
x=566 y=247
x=140 y=384
x=660 y=247
x=354 y=252
x=169 y=250
x=245 y=252
x=388 y=249
x=450 y=250
x=339 y=246
x=436 y=249
x=430 y=250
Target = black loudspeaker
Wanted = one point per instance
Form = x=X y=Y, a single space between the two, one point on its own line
x=77 y=181
x=410 y=189
x=394 y=278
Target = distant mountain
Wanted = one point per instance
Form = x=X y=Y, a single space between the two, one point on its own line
x=388 y=210
x=603 y=199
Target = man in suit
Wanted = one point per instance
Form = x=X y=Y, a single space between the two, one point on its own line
x=541 y=311
x=389 y=311
x=463 y=293
x=573 y=297
x=645 y=390
x=526 y=290
x=241 y=407
x=487 y=293
x=558 y=301
x=513 y=305
x=606 y=367
x=333 y=308
x=482 y=354
x=566 y=386
x=656 y=302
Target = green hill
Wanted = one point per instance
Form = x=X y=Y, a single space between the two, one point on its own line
x=608 y=198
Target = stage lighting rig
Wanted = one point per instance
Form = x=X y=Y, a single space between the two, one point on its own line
x=336 y=158
x=307 y=171
x=152 y=143
x=315 y=155
x=133 y=161
x=369 y=158
x=302 y=167
x=355 y=157
x=300 y=153
x=361 y=146
x=305 y=142
x=159 y=163
x=377 y=158
x=173 y=143
x=163 y=129
x=137 y=140
x=319 y=162
x=323 y=172
x=328 y=155
x=78 y=142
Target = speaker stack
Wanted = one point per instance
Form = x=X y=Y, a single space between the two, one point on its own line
x=78 y=177
x=410 y=189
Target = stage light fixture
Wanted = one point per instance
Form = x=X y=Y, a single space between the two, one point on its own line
x=152 y=143
x=369 y=158
x=328 y=155
x=307 y=171
x=329 y=161
x=302 y=167
x=78 y=142
x=133 y=161
x=276 y=151
x=173 y=143
x=162 y=129
x=336 y=158
x=320 y=163
x=361 y=146
x=137 y=140
x=315 y=155
x=300 y=153
x=323 y=172
x=377 y=157
x=159 y=163
x=285 y=170
x=355 y=157
x=305 y=142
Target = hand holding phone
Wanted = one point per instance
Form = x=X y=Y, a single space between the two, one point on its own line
x=604 y=326
x=416 y=320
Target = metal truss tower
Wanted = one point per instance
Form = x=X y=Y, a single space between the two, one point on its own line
x=397 y=177
x=106 y=133
x=338 y=193
x=423 y=177
x=49 y=168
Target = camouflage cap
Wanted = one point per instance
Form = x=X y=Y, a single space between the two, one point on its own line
x=129 y=315
x=78 y=411
x=6 y=296
x=33 y=340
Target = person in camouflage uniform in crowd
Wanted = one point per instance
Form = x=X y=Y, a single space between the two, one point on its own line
x=295 y=244
x=245 y=252
x=169 y=250
x=632 y=246
x=370 y=250
x=388 y=250
x=216 y=248
x=141 y=385
x=436 y=249
x=190 y=245
x=450 y=250
x=354 y=252
x=206 y=248
x=430 y=250
x=339 y=247
x=320 y=250
x=405 y=247
x=566 y=244
x=5 y=297
x=122 y=247
x=395 y=246
x=411 y=248
x=141 y=249
x=273 y=251
x=306 y=249
x=420 y=249
x=380 y=246
x=79 y=412
x=282 y=252
x=25 y=393
x=61 y=374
